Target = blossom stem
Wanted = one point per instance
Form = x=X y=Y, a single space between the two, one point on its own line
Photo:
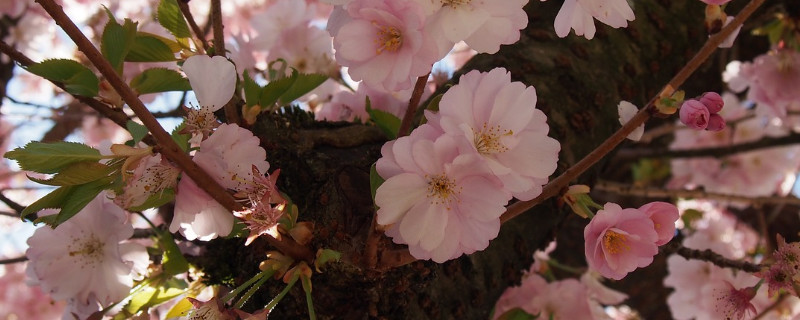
x=187 y=13
x=413 y=104
x=555 y=264
x=710 y=256
x=306 y=282
x=167 y=146
x=13 y=260
x=631 y=190
x=259 y=279
x=552 y=189
x=280 y=295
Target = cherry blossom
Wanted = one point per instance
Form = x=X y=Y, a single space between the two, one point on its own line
x=213 y=80
x=483 y=25
x=626 y=112
x=771 y=78
x=19 y=301
x=694 y=114
x=619 y=240
x=441 y=202
x=384 y=43
x=579 y=15
x=82 y=260
x=663 y=216
x=152 y=176
x=500 y=119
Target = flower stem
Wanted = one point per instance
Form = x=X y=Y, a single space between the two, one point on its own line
x=306 y=282
x=263 y=274
x=261 y=278
x=280 y=296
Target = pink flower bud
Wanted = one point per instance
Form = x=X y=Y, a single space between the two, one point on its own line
x=694 y=114
x=712 y=101
x=715 y=123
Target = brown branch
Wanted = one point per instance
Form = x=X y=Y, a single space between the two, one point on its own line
x=187 y=13
x=709 y=256
x=13 y=260
x=12 y=204
x=231 y=113
x=9 y=214
x=764 y=143
x=167 y=146
x=554 y=187
x=413 y=104
x=117 y=115
x=631 y=190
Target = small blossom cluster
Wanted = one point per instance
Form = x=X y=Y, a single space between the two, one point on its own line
x=784 y=273
x=579 y=15
x=562 y=299
x=772 y=79
x=447 y=183
x=703 y=113
x=620 y=240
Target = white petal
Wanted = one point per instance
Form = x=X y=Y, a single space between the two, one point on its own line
x=213 y=79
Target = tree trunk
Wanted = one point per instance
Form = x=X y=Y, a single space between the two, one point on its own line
x=325 y=170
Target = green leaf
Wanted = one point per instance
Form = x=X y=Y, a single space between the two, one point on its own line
x=180 y=309
x=275 y=89
x=160 y=80
x=137 y=130
x=77 y=173
x=303 y=84
x=324 y=256
x=156 y=200
x=71 y=201
x=172 y=261
x=387 y=122
x=170 y=17
x=181 y=139
x=147 y=48
x=517 y=314
x=77 y=78
x=375 y=180
x=116 y=41
x=51 y=157
x=252 y=91
x=152 y=296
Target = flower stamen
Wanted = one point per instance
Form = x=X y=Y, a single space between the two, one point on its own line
x=487 y=141
x=389 y=38
x=442 y=190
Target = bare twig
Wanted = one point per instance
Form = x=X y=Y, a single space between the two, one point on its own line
x=187 y=13
x=231 y=114
x=13 y=260
x=413 y=104
x=167 y=146
x=768 y=142
x=553 y=188
x=710 y=256
x=645 y=192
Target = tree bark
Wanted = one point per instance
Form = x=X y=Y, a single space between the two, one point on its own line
x=325 y=170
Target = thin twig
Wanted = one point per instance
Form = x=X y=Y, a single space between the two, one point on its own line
x=167 y=146
x=12 y=204
x=764 y=143
x=13 y=260
x=709 y=256
x=413 y=104
x=9 y=214
x=554 y=187
x=645 y=192
x=187 y=13
x=231 y=114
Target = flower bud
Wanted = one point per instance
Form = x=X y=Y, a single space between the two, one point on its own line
x=712 y=101
x=694 y=114
x=715 y=123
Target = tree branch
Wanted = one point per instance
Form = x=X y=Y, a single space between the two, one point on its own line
x=413 y=104
x=631 y=190
x=231 y=114
x=187 y=13
x=554 y=187
x=167 y=146
x=13 y=260
x=764 y=143
x=709 y=256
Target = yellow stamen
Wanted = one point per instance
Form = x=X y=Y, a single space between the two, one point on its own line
x=389 y=38
x=615 y=242
x=487 y=141
x=442 y=190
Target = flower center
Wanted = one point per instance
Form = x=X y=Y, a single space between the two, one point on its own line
x=389 y=39
x=487 y=140
x=88 y=251
x=454 y=3
x=615 y=242
x=442 y=190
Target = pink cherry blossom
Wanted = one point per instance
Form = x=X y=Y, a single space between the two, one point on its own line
x=82 y=260
x=441 y=202
x=772 y=78
x=734 y=303
x=713 y=101
x=579 y=15
x=229 y=156
x=152 y=176
x=385 y=44
x=347 y=105
x=664 y=216
x=213 y=80
x=483 y=25
x=565 y=299
x=19 y=301
x=715 y=123
x=500 y=118
x=694 y=114
x=619 y=240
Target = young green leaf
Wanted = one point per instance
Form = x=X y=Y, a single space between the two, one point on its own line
x=78 y=173
x=116 y=41
x=155 y=200
x=137 y=130
x=172 y=261
x=77 y=78
x=152 y=296
x=51 y=157
x=180 y=138
x=180 y=309
x=275 y=89
x=252 y=91
x=303 y=84
x=170 y=17
x=387 y=122
x=71 y=200
x=147 y=48
x=159 y=80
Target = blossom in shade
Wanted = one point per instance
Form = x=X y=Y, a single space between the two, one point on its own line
x=734 y=304
x=384 y=43
x=626 y=112
x=483 y=25
x=440 y=201
x=151 y=177
x=694 y=114
x=228 y=156
x=663 y=216
x=784 y=272
x=500 y=119
x=715 y=2
x=82 y=260
x=619 y=240
x=565 y=299
x=579 y=15
x=213 y=80
x=772 y=78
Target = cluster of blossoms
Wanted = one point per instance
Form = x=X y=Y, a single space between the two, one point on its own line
x=704 y=291
x=703 y=113
x=772 y=79
x=579 y=15
x=784 y=273
x=447 y=182
x=620 y=240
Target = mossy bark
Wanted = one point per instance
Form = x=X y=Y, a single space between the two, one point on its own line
x=325 y=171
